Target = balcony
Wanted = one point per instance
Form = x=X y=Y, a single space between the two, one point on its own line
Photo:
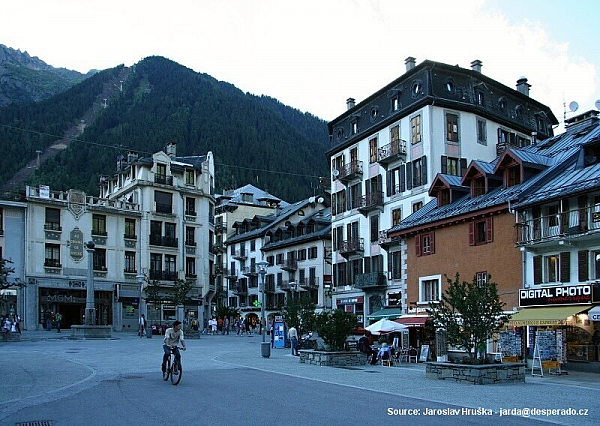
x=241 y=290
x=231 y=274
x=130 y=236
x=290 y=265
x=350 y=171
x=351 y=247
x=163 y=180
x=52 y=263
x=250 y=271
x=240 y=255
x=395 y=151
x=270 y=287
x=160 y=240
x=370 y=202
x=219 y=247
x=220 y=269
x=129 y=271
x=578 y=224
x=52 y=226
x=100 y=268
x=190 y=243
x=220 y=227
x=163 y=275
x=309 y=283
x=191 y=213
x=370 y=280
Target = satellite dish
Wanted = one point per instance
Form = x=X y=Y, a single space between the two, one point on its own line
x=335 y=173
x=320 y=200
x=573 y=106
x=597 y=103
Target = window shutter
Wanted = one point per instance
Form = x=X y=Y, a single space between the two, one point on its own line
x=582 y=265
x=424 y=170
x=388 y=183
x=489 y=230
x=334 y=242
x=402 y=177
x=348 y=200
x=537 y=269
x=409 y=183
x=565 y=267
x=500 y=136
x=390 y=264
x=444 y=164
x=471 y=233
x=418 y=244
x=432 y=241
x=564 y=223
x=582 y=204
x=463 y=166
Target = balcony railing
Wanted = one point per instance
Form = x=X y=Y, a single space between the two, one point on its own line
x=394 y=151
x=98 y=233
x=163 y=275
x=370 y=280
x=163 y=208
x=231 y=274
x=241 y=289
x=129 y=271
x=190 y=243
x=240 y=255
x=52 y=226
x=309 y=283
x=270 y=287
x=284 y=285
x=570 y=224
x=220 y=227
x=220 y=269
x=130 y=236
x=289 y=265
x=190 y=213
x=250 y=271
x=160 y=240
x=219 y=247
x=371 y=202
x=350 y=171
x=352 y=246
x=52 y=263
x=164 y=180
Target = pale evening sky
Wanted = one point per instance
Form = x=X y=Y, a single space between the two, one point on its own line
x=312 y=55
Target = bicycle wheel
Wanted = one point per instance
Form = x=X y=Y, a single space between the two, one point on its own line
x=176 y=378
x=167 y=371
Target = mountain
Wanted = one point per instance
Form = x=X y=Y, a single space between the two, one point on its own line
x=255 y=139
x=25 y=79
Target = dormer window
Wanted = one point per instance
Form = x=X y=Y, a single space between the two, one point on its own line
x=591 y=154
x=189 y=177
x=354 y=127
x=161 y=170
x=513 y=176
x=478 y=186
x=444 y=197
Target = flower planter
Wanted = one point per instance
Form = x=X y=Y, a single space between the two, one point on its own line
x=332 y=359
x=477 y=374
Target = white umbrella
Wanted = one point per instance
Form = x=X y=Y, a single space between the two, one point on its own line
x=385 y=326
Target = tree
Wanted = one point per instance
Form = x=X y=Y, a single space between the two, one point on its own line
x=300 y=314
x=335 y=326
x=181 y=289
x=469 y=313
x=5 y=272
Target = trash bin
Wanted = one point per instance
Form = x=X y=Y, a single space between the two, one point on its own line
x=149 y=332
x=265 y=349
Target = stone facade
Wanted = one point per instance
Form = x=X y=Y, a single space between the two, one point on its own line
x=476 y=374
x=332 y=359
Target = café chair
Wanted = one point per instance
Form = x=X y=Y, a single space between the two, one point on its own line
x=386 y=359
x=412 y=354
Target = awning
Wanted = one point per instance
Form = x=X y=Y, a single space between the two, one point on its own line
x=412 y=321
x=554 y=315
x=389 y=313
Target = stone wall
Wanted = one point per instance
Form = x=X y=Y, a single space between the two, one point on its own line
x=333 y=359
x=476 y=374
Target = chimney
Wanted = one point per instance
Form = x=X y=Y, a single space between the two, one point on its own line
x=171 y=149
x=350 y=102
x=523 y=86
x=132 y=157
x=120 y=159
x=476 y=65
x=410 y=63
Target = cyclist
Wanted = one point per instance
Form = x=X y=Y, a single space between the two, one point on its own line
x=173 y=337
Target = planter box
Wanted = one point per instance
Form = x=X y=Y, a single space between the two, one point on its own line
x=333 y=359
x=477 y=374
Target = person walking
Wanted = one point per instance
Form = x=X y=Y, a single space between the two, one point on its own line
x=293 y=336
x=58 y=319
x=48 y=321
x=142 y=326
x=226 y=326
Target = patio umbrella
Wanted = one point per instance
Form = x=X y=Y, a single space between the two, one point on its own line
x=385 y=326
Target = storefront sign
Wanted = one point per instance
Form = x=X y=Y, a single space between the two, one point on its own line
x=62 y=298
x=76 y=244
x=351 y=301
x=548 y=296
x=594 y=314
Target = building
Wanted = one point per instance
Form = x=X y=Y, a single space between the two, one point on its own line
x=386 y=151
x=152 y=226
x=12 y=248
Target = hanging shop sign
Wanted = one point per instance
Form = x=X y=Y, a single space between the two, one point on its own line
x=594 y=314
x=351 y=301
x=554 y=296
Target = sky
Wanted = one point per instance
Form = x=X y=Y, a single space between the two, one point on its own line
x=314 y=54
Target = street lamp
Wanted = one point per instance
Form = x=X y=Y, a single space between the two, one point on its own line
x=140 y=279
x=293 y=287
x=90 y=308
x=265 y=348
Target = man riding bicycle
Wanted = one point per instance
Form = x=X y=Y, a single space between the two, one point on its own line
x=173 y=337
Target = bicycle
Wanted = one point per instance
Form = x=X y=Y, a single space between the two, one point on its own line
x=173 y=369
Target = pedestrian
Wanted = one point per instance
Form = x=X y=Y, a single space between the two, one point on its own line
x=226 y=326
x=58 y=318
x=18 y=323
x=220 y=324
x=213 y=328
x=142 y=326
x=48 y=321
x=293 y=336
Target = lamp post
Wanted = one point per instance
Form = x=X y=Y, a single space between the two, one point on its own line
x=265 y=347
x=141 y=308
x=90 y=309
x=293 y=287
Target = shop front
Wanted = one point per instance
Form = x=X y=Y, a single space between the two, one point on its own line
x=354 y=305
x=71 y=306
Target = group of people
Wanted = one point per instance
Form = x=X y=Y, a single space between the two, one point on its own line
x=223 y=326
x=11 y=324
x=53 y=319
x=375 y=356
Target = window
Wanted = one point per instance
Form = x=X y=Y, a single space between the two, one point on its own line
x=395 y=265
x=444 y=197
x=302 y=254
x=312 y=253
x=551 y=268
x=189 y=177
x=481 y=131
x=395 y=180
x=481 y=232
x=130 y=229
x=190 y=236
x=52 y=219
x=415 y=129
x=190 y=267
x=425 y=244
x=417 y=206
x=396 y=216
x=480 y=98
x=478 y=186
x=170 y=265
x=98 y=224
x=1 y=222
x=169 y=230
x=161 y=171
x=163 y=202
x=597 y=264
x=513 y=176
x=373 y=150
x=52 y=255
x=253 y=245
x=482 y=278
x=338 y=237
x=374 y=221
x=430 y=289
x=156 y=262
x=354 y=129
x=99 y=259
x=279 y=258
x=271 y=260
x=130 y=262
x=453 y=166
x=190 y=206
x=395 y=104
x=451 y=127
x=419 y=172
